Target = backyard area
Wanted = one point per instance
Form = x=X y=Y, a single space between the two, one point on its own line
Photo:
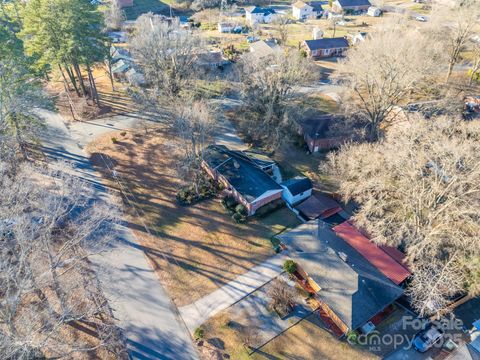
x=194 y=249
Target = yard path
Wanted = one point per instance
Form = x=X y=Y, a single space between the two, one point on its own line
x=139 y=302
x=200 y=311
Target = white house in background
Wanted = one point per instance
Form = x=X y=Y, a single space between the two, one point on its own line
x=296 y=189
x=374 y=11
x=257 y=15
x=311 y=10
x=358 y=37
x=225 y=27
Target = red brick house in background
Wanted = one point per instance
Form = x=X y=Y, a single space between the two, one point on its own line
x=317 y=132
x=244 y=176
x=326 y=47
x=124 y=3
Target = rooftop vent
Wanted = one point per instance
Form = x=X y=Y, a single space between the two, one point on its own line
x=343 y=256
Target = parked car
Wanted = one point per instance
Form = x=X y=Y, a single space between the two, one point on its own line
x=426 y=338
x=421 y=18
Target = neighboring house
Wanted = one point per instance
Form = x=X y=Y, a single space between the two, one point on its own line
x=318 y=206
x=374 y=11
x=351 y=6
x=263 y=48
x=469 y=314
x=358 y=37
x=296 y=190
x=387 y=265
x=347 y=288
x=120 y=53
x=311 y=10
x=117 y=36
x=211 y=59
x=244 y=176
x=225 y=27
x=325 y=47
x=317 y=134
x=134 y=77
x=257 y=15
x=124 y=3
x=120 y=68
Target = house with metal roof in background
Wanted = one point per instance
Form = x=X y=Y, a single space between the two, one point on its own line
x=247 y=178
x=326 y=47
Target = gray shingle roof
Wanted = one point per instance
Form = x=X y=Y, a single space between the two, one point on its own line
x=297 y=185
x=240 y=171
x=354 y=289
x=348 y=3
x=327 y=43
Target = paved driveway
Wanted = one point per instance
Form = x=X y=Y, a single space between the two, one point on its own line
x=200 y=311
x=140 y=304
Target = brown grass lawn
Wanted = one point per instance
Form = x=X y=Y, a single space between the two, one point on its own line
x=309 y=340
x=306 y=340
x=194 y=249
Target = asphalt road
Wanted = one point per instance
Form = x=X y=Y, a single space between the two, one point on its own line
x=151 y=323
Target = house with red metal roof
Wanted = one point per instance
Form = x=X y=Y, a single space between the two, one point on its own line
x=385 y=263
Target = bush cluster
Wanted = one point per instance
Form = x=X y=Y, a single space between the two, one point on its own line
x=188 y=196
x=236 y=210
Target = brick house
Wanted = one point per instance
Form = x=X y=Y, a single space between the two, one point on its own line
x=326 y=47
x=249 y=179
x=317 y=134
x=349 y=291
x=351 y=6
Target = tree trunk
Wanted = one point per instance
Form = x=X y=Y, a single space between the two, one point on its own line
x=93 y=87
x=110 y=74
x=450 y=70
x=72 y=79
x=80 y=78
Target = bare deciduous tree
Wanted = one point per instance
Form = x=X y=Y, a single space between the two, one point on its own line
x=269 y=84
x=166 y=53
x=48 y=229
x=114 y=16
x=419 y=189
x=452 y=27
x=382 y=73
x=281 y=294
x=194 y=123
x=281 y=28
